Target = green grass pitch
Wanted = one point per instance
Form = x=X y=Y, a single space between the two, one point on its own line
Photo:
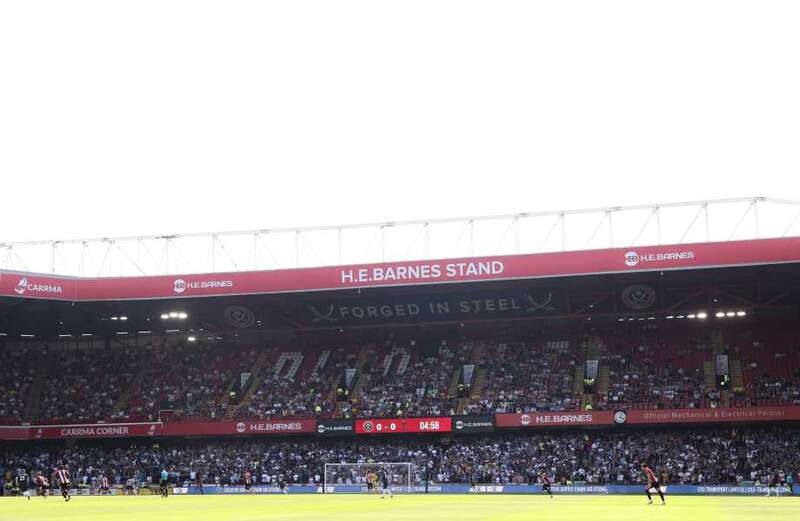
x=405 y=508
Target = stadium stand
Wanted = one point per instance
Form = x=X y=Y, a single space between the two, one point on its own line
x=716 y=456
x=647 y=366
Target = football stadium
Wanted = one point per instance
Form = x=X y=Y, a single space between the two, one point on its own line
x=429 y=260
x=654 y=371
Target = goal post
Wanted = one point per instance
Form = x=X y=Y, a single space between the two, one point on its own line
x=400 y=475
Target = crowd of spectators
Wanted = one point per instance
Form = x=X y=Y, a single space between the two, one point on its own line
x=527 y=376
x=717 y=456
x=279 y=396
x=83 y=385
x=16 y=377
x=771 y=370
x=306 y=393
x=419 y=389
x=186 y=380
x=649 y=366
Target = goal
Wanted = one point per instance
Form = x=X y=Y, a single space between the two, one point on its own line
x=401 y=475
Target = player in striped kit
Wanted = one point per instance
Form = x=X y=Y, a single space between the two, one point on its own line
x=104 y=488
x=248 y=482
x=652 y=482
x=64 y=481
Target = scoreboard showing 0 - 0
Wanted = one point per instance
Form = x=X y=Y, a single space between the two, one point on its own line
x=404 y=425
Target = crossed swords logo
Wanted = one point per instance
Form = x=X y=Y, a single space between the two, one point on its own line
x=327 y=316
x=539 y=306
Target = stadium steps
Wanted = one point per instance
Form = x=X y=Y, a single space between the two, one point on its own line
x=361 y=379
x=479 y=385
x=361 y=361
x=256 y=378
x=708 y=375
x=577 y=388
x=452 y=390
x=34 y=398
x=724 y=398
x=333 y=394
x=737 y=377
x=603 y=380
x=128 y=394
x=363 y=355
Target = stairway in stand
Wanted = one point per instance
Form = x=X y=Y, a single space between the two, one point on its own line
x=126 y=396
x=257 y=373
x=479 y=384
x=603 y=380
x=737 y=377
x=34 y=397
x=709 y=376
x=361 y=377
x=577 y=387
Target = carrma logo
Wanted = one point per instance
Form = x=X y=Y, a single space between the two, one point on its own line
x=631 y=258
x=22 y=285
x=26 y=285
x=240 y=427
x=179 y=286
x=525 y=419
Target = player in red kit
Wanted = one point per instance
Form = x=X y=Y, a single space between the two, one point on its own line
x=41 y=485
x=546 y=484
x=652 y=482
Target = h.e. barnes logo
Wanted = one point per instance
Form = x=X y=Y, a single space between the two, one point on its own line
x=179 y=286
x=631 y=258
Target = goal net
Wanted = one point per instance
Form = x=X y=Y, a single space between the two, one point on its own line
x=401 y=476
